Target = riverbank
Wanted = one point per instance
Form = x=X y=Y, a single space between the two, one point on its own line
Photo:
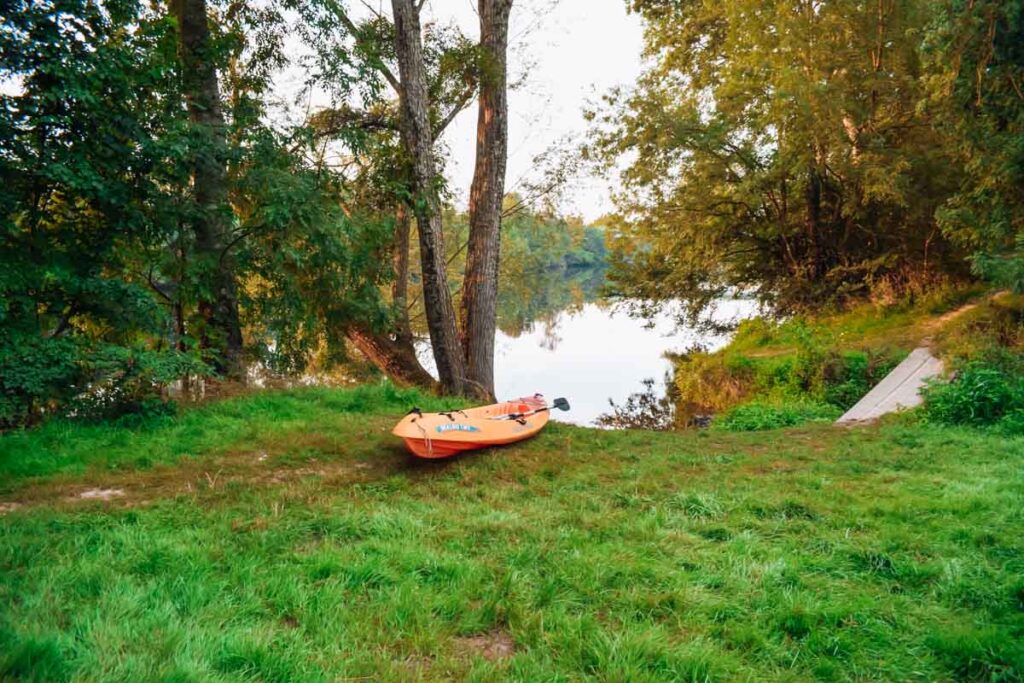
x=286 y=536
x=808 y=368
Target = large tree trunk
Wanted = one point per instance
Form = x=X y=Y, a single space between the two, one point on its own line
x=395 y=357
x=419 y=143
x=395 y=354
x=218 y=303
x=813 y=223
x=480 y=287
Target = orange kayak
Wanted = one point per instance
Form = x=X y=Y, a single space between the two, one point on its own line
x=440 y=435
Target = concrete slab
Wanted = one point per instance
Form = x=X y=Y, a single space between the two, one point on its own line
x=900 y=389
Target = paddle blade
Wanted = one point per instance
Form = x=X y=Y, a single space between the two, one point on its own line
x=561 y=404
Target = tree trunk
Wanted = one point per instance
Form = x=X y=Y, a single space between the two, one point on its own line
x=395 y=357
x=218 y=300
x=813 y=223
x=400 y=263
x=419 y=144
x=480 y=287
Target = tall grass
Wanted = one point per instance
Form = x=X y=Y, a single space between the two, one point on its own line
x=809 y=554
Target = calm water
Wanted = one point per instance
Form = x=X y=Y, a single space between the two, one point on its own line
x=594 y=354
x=590 y=353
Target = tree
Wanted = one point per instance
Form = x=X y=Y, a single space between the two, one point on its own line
x=480 y=285
x=88 y=179
x=102 y=286
x=976 y=87
x=418 y=138
x=211 y=219
x=356 y=63
x=778 y=148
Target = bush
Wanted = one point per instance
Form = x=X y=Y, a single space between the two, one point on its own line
x=87 y=381
x=757 y=415
x=980 y=394
x=849 y=376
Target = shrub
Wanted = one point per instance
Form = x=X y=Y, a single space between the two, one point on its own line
x=758 y=415
x=849 y=376
x=88 y=381
x=708 y=383
x=980 y=394
x=1012 y=424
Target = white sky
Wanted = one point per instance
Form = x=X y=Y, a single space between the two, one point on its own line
x=570 y=51
x=580 y=49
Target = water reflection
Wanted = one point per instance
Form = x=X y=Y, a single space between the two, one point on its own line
x=595 y=354
x=558 y=338
x=536 y=299
x=650 y=408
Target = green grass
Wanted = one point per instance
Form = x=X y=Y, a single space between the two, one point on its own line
x=886 y=553
x=860 y=327
x=780 y=367
x=757 y=415
x=244 y=423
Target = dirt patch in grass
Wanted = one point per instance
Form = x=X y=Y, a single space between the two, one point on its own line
x=100 y=494
x=260 y=468
x=492 y=646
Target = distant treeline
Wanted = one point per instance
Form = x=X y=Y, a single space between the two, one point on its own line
x=548 y=262
x=538 y=241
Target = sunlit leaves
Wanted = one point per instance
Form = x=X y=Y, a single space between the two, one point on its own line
x=776 y=148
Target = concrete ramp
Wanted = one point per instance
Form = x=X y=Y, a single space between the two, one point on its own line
x=900 y=389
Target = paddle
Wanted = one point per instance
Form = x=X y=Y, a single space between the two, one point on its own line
x=559 y=403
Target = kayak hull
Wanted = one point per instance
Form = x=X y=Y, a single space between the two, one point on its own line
x=443 y=449
x=442 y=435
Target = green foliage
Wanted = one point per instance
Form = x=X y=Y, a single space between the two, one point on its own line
x=992 y=331
x=62 y=377
x=852 y=374
x=818 y=372
x=819 y=554
x=777 y=150
x=758 y=415
x=975 y=78
x=89 y=169
x=835 y=358
x=309 y=269
x=102 y=278
x=980 y=394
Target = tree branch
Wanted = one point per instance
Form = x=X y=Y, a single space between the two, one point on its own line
x=330 y=122
x=155 y=288
x=459 y=105
x=377 y=64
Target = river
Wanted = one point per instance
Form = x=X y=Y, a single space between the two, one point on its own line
x=586 y=350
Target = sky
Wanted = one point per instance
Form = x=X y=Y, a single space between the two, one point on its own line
x=572 y=52
x=566 y=52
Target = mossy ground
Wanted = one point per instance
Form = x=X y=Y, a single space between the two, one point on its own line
x=287 y=537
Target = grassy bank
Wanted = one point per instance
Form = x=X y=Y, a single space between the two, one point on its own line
x=807 y=368
x=287 y=537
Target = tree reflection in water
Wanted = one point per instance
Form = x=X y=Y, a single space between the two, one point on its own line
x=540 y=297
x=647 y=409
